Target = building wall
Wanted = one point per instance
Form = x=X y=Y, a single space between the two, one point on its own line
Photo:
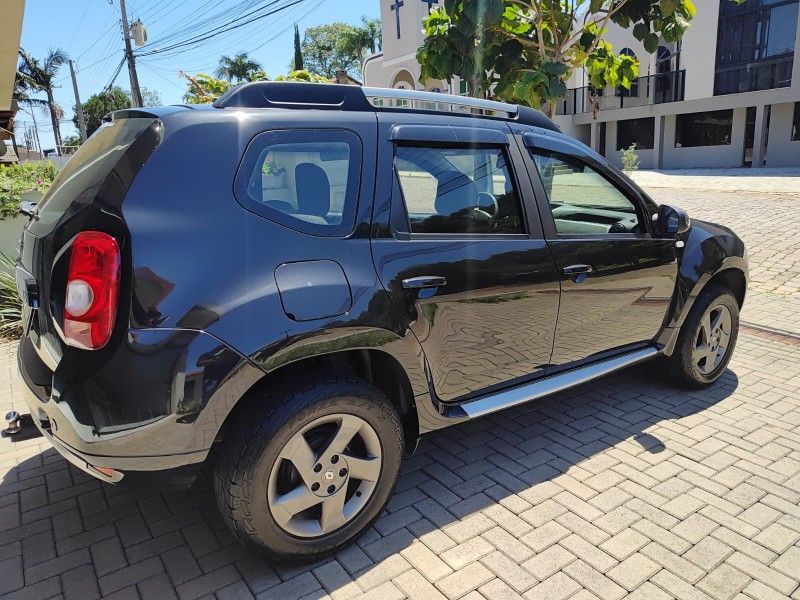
x=781 y=150
x=11 y=12
x=699 y=51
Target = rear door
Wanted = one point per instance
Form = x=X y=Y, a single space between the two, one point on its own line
x=458 y=246
x=617 y=277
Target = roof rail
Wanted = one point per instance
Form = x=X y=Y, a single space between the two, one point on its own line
x=435 y=102
x=274 y=94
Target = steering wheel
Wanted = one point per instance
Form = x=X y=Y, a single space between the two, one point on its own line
x=486 y=203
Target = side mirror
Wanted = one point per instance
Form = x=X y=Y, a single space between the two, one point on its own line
x=672 y=221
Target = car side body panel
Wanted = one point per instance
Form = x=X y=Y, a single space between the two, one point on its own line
x=202 y=320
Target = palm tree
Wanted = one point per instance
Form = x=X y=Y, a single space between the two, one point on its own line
x=373 y=34
x=364 y=39
x=40 y=77
x=240 y=68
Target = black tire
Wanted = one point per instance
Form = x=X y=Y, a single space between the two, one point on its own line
x=252 y=446
x=680 y=368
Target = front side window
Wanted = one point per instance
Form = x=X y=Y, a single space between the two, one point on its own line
x=458 y=190
x=305 y=179
x=582 y=201
x=704 y=129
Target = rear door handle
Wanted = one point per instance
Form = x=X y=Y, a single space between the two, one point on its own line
x=425 y=281
x=577 y=272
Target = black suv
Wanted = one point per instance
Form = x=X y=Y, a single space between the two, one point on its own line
x=294 y=284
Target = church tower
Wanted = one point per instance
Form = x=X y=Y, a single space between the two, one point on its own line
x=396 y=66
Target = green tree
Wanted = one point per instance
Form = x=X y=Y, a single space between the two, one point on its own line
x=204 y=89
x=365 y=39
x=303 y=75
x=151 y=97
x=239 y=68
x=523 y=51
x=326 y=49
x=99 y=105
x=40 y=76
x=72 y=141
x=297 y=64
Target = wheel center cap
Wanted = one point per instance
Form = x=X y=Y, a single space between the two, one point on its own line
x=331 y=477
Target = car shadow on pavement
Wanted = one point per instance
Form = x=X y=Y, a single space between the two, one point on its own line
x=509 y=478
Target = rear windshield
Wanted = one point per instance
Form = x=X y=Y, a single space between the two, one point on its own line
x=81 y=178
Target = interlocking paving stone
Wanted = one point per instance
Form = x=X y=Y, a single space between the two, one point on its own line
x=624 y=485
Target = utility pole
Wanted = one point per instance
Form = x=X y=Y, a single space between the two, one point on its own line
x=78 y=107
x=136 y=93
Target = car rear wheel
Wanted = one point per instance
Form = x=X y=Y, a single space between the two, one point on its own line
x=306 y=471
x=706 y=341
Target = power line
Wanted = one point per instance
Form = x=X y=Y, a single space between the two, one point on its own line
x=226 y=27
x=83 y=16
x=199 y=22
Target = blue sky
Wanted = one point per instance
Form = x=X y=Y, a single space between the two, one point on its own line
x=90 y=33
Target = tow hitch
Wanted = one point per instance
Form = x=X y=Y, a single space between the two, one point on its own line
x=16 y=423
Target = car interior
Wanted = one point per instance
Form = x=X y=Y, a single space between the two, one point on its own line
x=458 y=190
x=583 y=201
x=305 y=180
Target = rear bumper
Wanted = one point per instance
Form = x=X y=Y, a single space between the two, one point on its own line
x=154 y=407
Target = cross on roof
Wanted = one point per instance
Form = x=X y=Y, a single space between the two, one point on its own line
x=396 y=7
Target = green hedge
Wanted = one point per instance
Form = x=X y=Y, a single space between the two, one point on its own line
x=16 y=179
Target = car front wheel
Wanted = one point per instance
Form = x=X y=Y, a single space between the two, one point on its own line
x=707 y=339
x=308 y=470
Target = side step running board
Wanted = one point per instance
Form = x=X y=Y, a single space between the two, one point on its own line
x=548 y=385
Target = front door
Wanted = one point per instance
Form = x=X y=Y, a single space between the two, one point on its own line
x=617 y=278
x=459 y=254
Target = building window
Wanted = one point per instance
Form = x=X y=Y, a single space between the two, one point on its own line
x=755 y=45
x=636 y=131
x=796 y=123
x=704 y=129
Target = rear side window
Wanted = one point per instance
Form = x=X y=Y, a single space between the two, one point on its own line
x=458 y=190
x=304 y=179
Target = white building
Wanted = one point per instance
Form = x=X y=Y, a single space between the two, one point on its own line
x=728 y=95
x=396 y=66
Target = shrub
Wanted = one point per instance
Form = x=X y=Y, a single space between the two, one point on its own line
x=16 y=179
x=630 y=160
x=10 y=303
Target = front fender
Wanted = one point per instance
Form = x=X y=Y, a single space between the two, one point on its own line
x=708 y=250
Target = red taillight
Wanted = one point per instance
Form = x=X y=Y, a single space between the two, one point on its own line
x=90 y=306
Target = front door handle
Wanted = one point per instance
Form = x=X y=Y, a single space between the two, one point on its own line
x=577 y=272
x=425 y=281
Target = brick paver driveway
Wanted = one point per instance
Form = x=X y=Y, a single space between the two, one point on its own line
x=624 y=485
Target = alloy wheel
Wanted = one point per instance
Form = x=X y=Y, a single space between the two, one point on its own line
x=324 y=475
x=713 y=339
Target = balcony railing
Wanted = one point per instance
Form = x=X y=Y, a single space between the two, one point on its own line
x=765 y=74
x=652 y=89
